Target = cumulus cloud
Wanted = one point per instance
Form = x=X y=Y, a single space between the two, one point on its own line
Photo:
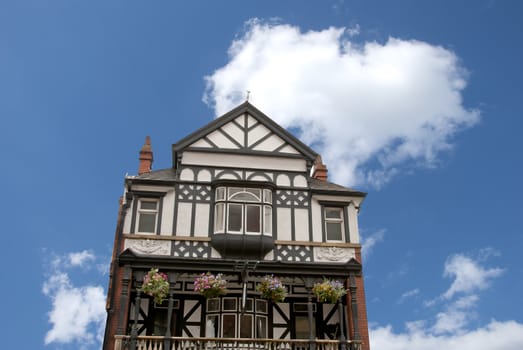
x=449 y=327
x=80 y=258
x=77 y=313
x=372 y=109
x=468 y=275
x=494 y=336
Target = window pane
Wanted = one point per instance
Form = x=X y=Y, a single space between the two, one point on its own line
x=246 y=326
x=261 y=327
x=333 y=213
x=248 y=305
x=213 y=305
x=302 y=327
x=255 y=192
x=267 y=221
x=148 y=205
x=234 y=190
x=147 y=222
x=253 y=218
x=235 y=217
x=211 y=326
x=219 y=217
x=261 y=306
x=334 y=231
x=229 y=326
x=220 y=193
x=229 y=304
x=245 y=197
x=267 y=196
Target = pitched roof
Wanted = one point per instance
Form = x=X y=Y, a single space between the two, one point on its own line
x=245 y=108
x=320 y=186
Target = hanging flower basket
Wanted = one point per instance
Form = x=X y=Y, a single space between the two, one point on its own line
x=271 y=288
x=156 y=285
x=209 y=285
x=329 y=291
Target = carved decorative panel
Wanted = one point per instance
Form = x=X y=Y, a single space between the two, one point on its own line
x=149 y=246
x=333 y=254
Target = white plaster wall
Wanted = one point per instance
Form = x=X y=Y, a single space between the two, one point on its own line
x=128 y=218
x=221 y=140
x=265 y=177
x=269 y=144
x=256 y=134
x=228 y=176
x=284 y=224
x=354 y=234
x=301 y=223
x=289 y=149
x=183 y=225
x=204 y=175
x=187 y=175
x=300 y=181
x=283 y=180
x=167 y=214
x=243 y=161
x=316 y=221
x=201 y=222
x=234 y=131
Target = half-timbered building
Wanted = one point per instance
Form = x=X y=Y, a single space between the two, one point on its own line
x=245 y=199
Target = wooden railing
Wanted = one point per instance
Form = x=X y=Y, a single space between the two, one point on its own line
x=123 y=342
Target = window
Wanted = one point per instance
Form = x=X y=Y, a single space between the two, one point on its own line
x=226 y=319
x=334 y=230
x=147 y=215
x=243 y=210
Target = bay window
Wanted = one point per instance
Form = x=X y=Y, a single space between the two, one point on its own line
x=241 y=210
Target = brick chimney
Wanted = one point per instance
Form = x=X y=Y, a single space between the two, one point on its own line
x=320 y=170
x=146 y=157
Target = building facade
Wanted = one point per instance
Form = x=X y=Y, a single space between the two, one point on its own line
x=245 y=200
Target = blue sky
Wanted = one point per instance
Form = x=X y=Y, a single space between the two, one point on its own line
x=416 y=103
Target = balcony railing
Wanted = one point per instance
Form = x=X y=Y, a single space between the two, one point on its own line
x=123 y=342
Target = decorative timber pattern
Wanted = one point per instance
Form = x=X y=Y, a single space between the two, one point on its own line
x=296 y=199
x=191 y=249
x=245 y=133
x=293 y=253
x=193 y=193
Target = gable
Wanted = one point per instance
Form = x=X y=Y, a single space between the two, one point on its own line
x=244 y=133
x=245 y=130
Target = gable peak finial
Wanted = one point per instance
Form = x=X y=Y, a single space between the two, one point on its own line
x=247 y=96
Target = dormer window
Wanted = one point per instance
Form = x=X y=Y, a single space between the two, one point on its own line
x=241 y=210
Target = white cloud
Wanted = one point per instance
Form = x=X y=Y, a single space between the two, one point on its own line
x=448 y=329
x=80 y=258
x=494 y=336
x=468 y=275
x=77 y=313
x=370 y=241
x=408 y=294
x=371 y=109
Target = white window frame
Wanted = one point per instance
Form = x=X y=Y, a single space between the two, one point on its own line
x=227 y=196
x=339 y=221
x=141 y=211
